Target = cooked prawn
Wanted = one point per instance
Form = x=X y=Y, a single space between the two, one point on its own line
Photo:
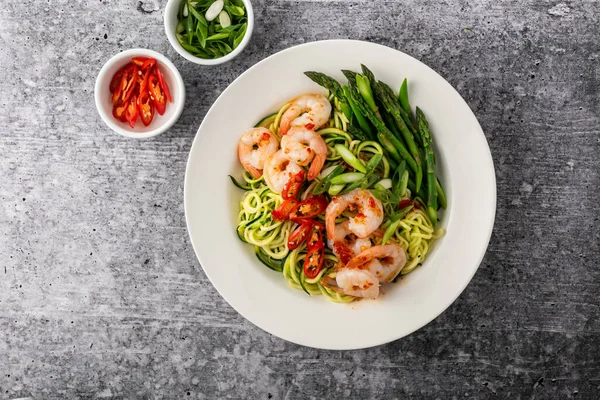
x=310 y=111
x=254 y=147
x=278 y=170
x=354 y=282
x=345 y=244
x=390 y=261
x=369 y=212
x=304 y=147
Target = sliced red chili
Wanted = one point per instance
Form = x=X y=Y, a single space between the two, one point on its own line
x=143 y=82
x=116 y=79
x=163 y=84
x=282 y=212
x=299 y=235
x=126 y=86
x=145 y=108
x=309 y=208
x=156 y=94
x=148 y=64
x=314 y=240
x=131 y=112
x=406 y=203
x=119 y=112
x=292 y=187
x=140 y=61
x=314 y=262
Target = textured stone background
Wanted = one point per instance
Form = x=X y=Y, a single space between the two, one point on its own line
x=101 y=295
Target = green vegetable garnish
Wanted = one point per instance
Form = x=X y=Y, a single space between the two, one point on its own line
x=210 y=36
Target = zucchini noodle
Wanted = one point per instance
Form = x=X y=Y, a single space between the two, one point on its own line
x=294 y=274
x=416 y=234
x=275 y=126
x=256 y=226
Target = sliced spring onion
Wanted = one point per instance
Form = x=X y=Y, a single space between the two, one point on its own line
x=350 y=158
x=335 y=189
x=214 y=10
x=348 y=177
x=385 y=183
x=224 y=19
x=368 y=177
x=403 y=183
x=327 y=171
x=390 y=231
x=325 y=182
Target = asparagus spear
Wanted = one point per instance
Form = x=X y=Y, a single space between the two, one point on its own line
x=328 y=83
x=364 y=88
x=407 y=117
x=338 y=91
x=421 y=193
x=360 y=118
x=441 y=195
x=356 y=132
x=381 y=128
x=431 y=178
x=351 y=76
x=393 y=110
x=389 y=147
x=403 y=97
x=389 y=122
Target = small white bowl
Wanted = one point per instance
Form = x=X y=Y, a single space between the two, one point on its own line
x=160 y=123
x=171 y=24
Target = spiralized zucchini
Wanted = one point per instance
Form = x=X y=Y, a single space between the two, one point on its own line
x=256 y=226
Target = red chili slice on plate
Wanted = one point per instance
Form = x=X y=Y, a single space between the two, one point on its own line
x=314 y=262
x=309 y=208
x=406 y=203
x=292 y=187
x=314 y=240
x=299 y=235
x=282 y=212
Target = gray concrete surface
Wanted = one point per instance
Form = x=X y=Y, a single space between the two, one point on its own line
x=101 y=295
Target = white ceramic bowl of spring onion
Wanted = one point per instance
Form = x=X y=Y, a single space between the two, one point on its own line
x=262 y=295
x=171 y=21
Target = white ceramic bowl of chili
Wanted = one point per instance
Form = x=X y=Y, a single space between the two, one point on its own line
x=160 y=123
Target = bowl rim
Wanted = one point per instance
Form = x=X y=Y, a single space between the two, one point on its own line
x=259 y=322
x=178 y=102
x=172 y=5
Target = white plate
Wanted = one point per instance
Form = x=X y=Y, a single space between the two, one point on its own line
x=263 y=296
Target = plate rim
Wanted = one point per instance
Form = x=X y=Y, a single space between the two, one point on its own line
x=480 y=257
